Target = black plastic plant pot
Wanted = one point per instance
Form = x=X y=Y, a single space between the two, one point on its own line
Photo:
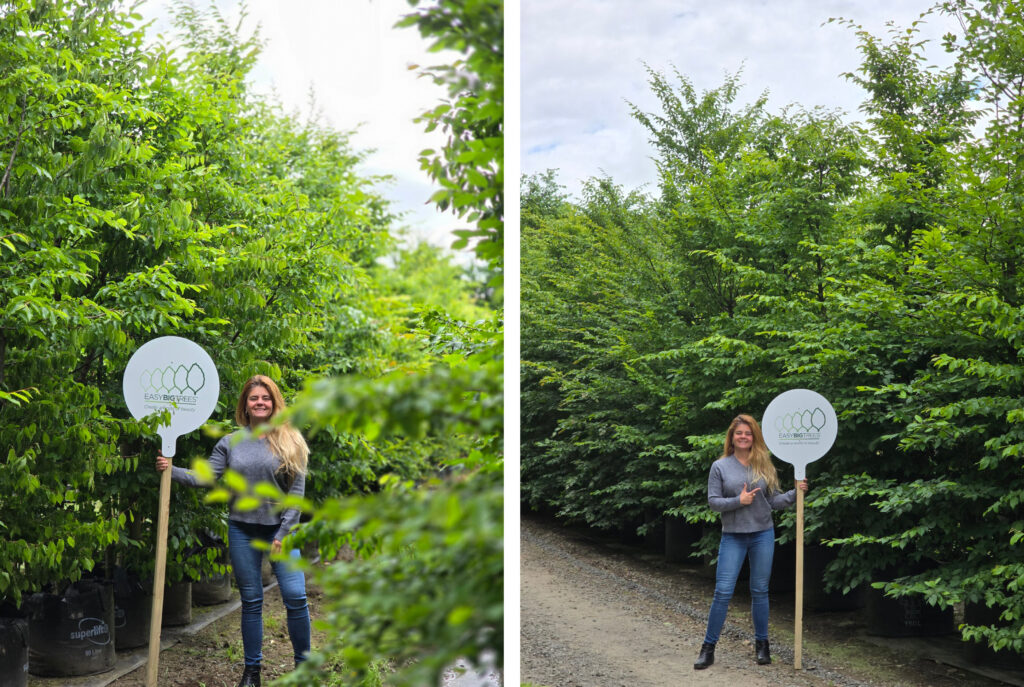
x=979 y=653
x=211 y=590
x=71 y=633
x=680 y=536
x=14 y=652
x=816 y=559
x=654 y=539
x=177 y=604
x=906 y=616
x=133 y=608
x=627 y=532
x=710 y=570
x=783 y=579
x=266 y=571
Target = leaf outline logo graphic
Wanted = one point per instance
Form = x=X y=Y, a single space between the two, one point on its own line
x=173 y=379
x=196 y=378
x=179 y=378
x=801 y=421
x=167 y=379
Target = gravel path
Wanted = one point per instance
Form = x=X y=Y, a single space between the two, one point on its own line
x=596 y=615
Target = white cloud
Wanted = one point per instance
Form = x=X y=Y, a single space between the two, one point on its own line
x=357 y=66
x=582 y=60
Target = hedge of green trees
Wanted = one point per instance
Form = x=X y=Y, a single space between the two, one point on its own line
x=877 y=262
x=146 y=190
x=427 y=586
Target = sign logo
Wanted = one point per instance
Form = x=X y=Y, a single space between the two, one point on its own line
x=93 y=630
x=172 y=374
x=173 y=385
x=799 y=427
x=172 y=380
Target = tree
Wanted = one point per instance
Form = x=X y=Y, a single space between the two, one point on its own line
x=876 y=263
x=426 y=585
x=148 y=192
x=470 y=167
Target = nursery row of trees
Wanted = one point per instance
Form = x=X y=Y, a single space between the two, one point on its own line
x=429 y=587
x=877 y=262
x=146 y=190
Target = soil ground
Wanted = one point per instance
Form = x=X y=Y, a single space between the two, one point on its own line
x=595 y=613
x=213 y=656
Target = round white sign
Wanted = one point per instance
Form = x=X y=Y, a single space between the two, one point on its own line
x=175 y=374
x=799 y=427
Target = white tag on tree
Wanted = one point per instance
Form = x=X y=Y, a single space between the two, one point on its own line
x=175 y=374
x=799 y=427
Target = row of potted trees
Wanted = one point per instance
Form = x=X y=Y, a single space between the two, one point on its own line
x=76 y=628
x=907 y=616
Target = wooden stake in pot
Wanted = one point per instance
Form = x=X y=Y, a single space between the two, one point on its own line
x=799 y=427
x=172 y=375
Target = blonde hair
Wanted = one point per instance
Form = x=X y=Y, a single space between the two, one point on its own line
x=760 y=457
x=285 y=441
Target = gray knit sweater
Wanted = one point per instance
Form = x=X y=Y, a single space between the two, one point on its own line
x=253 y=459
x=725 y=483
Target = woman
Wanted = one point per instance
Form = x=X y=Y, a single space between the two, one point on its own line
x=744 y=487
x=279 y=456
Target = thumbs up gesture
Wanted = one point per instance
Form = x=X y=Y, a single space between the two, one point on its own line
x=747 y=497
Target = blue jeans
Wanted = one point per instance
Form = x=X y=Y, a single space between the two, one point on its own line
x=759 y=548
x=247 y=563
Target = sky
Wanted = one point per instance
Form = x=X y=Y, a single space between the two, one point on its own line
x=357 y=65
x=582 y=60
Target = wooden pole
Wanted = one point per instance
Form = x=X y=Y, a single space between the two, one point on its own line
x=158 y=577
x=799 y=612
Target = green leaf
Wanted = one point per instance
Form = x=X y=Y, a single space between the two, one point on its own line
x=460 y=615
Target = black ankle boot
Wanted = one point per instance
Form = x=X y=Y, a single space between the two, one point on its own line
x=764 y=654
x=706 y=658
x=250 y=677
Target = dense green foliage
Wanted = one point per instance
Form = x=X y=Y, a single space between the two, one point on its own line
x=470 y=167
x=426 y=586
x=877 y=263
x=144 y=191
